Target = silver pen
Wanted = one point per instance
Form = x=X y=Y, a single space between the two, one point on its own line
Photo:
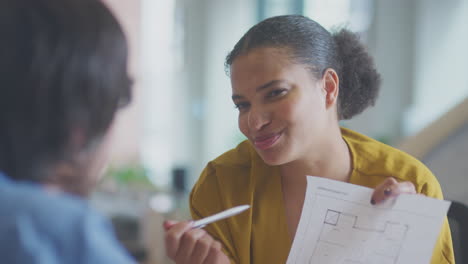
x=221 y=215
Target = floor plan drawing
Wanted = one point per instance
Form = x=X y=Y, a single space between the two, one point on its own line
x=369 y=243
x=338 y=225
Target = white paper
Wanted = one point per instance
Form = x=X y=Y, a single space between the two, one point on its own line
x=339 y=225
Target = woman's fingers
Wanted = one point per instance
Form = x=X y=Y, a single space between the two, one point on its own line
x=184 y=244
x=187 y=245
x=168 y=224
x=379 y=195
x=391 y=188
x=202 y=248
x=402 y=187
x=173 y=237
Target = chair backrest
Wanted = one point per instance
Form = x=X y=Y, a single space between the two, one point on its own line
x=458 y=219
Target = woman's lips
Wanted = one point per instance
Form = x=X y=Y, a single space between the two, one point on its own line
x=266 y=142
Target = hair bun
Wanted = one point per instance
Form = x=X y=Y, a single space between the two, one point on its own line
x=360 y=81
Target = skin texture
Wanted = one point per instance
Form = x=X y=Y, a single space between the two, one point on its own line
x=291 y=119
x=185 y=244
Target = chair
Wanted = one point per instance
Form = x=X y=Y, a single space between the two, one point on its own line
x=458 y=220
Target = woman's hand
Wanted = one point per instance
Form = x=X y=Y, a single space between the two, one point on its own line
x=185 y=244
x=391 y=188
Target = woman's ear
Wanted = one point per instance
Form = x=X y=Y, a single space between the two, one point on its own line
x=332 y=86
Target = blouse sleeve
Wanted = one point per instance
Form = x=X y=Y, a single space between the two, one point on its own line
x=205 y=200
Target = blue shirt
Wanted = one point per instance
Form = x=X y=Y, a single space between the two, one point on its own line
x=37 y=226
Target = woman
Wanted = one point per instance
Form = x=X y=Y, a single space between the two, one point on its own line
x=292 y=82
x=63 y=76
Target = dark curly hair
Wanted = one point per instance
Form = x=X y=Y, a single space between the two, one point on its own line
x=310 y=44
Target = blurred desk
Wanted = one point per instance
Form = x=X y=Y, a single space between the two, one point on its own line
x=138 y=225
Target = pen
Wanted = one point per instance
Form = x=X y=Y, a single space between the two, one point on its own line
x=221 y=215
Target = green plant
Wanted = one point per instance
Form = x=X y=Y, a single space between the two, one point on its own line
x=133 y=175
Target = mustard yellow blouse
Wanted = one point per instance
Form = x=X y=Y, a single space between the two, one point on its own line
x=260 y=235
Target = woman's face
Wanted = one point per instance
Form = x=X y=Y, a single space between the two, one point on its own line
x=283 y=109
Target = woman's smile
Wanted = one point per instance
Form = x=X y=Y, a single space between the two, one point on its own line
x=266 y=141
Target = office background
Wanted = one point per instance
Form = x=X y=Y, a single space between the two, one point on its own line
x=182 y=115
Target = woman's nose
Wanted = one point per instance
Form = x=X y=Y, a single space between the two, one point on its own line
x=258 y=118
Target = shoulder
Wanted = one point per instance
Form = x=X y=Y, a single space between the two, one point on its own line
x=62 y=228
x=230 y=167
x=32 y=201
x=226 y=179
x=376 y=159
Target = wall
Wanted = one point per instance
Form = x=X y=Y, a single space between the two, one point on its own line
x=128 y=120
x=441 y=61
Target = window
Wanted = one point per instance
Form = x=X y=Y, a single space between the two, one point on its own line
x=356 y=15
x=269 y=8
x=161 y=59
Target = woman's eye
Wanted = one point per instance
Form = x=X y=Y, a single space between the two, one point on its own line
x=276 y=93
x=241 y=106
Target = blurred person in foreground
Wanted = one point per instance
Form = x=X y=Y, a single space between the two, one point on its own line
x=63 y=77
